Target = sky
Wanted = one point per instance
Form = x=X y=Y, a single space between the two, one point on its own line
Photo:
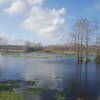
x=46 y=21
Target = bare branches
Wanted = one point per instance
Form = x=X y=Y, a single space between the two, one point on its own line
x=81 y=36
x=97 y=36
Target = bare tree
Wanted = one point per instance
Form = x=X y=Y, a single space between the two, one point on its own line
x=88 y=34
x=81 y=35
x=79 y=25
x=75 y=42
x=97 y=35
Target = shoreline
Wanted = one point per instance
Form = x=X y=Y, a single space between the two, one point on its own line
x=50 y=52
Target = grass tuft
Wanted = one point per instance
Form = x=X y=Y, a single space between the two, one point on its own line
x=34 y=91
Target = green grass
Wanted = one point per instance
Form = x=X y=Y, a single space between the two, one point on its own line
x=7 y=95
x=44 y=57
x=79 y=99
x=30 y=83
x=11 y=81
x=8 y=86
x=61 y=96
x=34 y=91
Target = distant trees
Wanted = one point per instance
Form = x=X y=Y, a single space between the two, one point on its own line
x=31 y=46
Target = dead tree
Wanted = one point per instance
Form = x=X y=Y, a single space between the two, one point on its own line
x=82 y=30
x=96 y=32
x=87 y=34
x=79 y=36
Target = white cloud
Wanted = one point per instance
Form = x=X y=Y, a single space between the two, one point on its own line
x=48 y=23
x=16 y=7
x=12 y=39
x=5 y=1
x=32 y=2
x=35 y=2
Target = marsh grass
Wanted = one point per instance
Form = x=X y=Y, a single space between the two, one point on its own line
x=8 y=95
x=79 y=99
x=11 y=81
x=30 y=83
x=34 y=91
x=61 y=96
x=7 y=86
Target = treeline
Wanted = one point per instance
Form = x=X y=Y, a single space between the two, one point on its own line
x=70 y=48
x=27 y=48
x=30 y=47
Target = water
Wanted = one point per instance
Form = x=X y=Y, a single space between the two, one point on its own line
x=55 y=72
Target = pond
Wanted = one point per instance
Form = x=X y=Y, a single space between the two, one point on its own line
x=51 y=75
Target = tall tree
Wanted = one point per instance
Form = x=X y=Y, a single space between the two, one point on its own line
x=81 y=34
x=97 y=35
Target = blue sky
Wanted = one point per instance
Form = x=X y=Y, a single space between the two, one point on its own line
x=45 y=21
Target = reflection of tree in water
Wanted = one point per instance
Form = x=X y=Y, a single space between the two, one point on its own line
x=87 y=88
x=98 y=81
x=84 y=82
x=81 y=86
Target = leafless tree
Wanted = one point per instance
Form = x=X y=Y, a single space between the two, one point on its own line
x=88 y=33
x=97 y=35
x=75 y=42
x=81 y=35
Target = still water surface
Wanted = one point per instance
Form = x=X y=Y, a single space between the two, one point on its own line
x=55 y=72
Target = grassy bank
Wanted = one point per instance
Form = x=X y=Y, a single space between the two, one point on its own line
x=44 y=51
x=65 y=52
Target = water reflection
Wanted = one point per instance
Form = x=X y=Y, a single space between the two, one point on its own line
x=98 y=81
x=86 y=89
x=54 y=74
